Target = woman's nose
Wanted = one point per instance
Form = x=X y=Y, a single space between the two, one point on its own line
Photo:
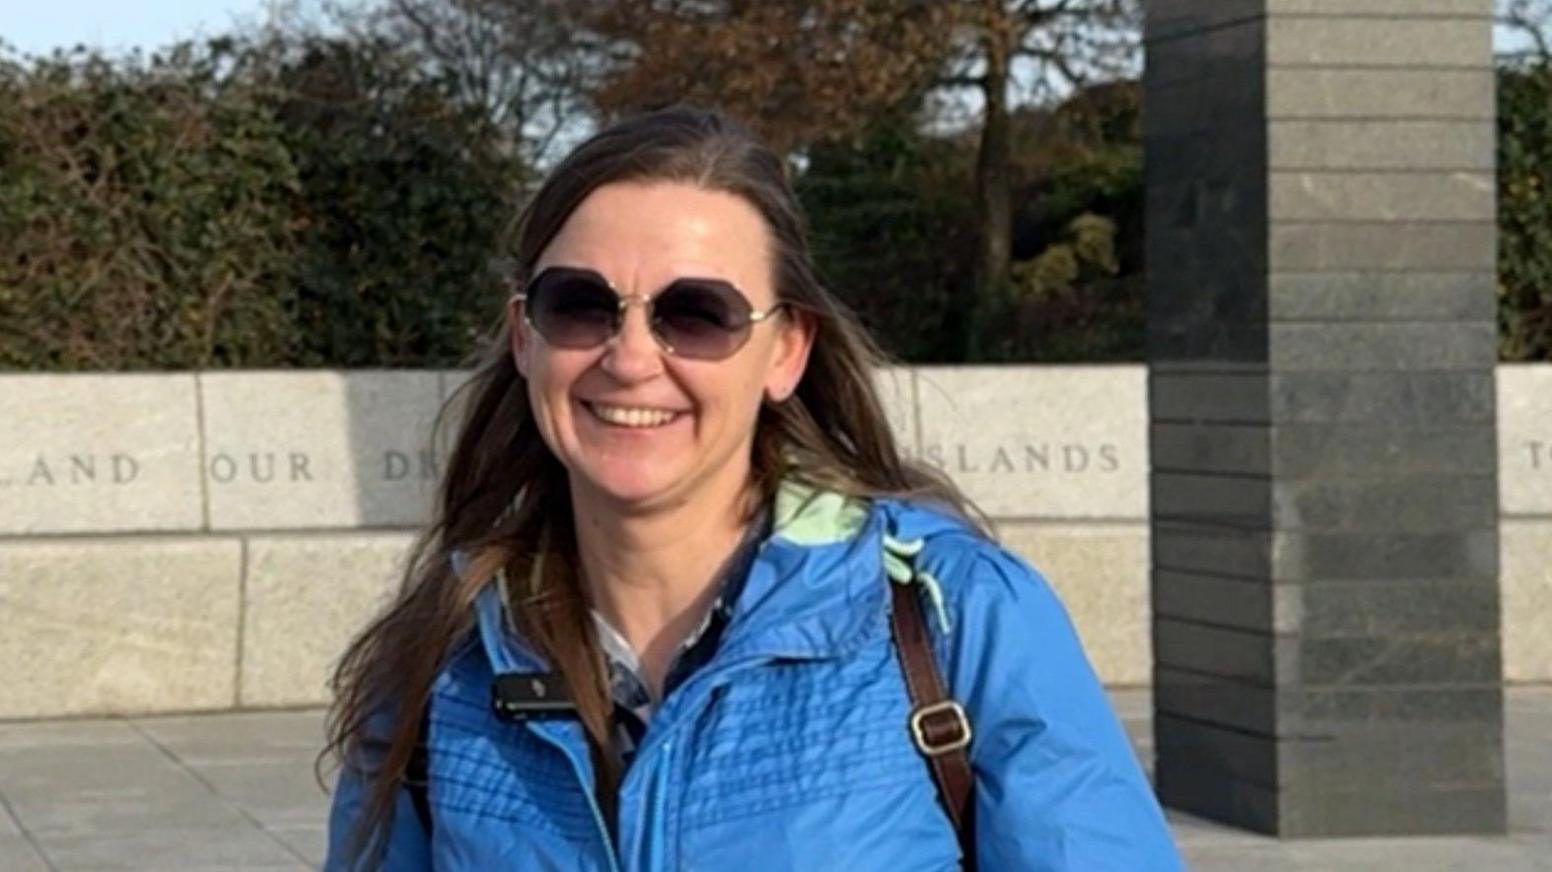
x=633 y=354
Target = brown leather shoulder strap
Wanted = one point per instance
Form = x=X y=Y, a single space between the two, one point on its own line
x=939 y=726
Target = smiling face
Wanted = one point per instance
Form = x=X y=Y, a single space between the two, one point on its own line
x=635 y=426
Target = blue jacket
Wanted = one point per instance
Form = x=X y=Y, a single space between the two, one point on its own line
x=789 y=749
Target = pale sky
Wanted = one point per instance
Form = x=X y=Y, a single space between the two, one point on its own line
x=39 y=26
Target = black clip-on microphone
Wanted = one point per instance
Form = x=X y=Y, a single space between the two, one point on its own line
x=519 y=696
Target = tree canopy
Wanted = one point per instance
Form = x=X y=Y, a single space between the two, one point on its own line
x=295 y=196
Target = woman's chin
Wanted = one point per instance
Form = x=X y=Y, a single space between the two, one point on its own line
x=632 y=485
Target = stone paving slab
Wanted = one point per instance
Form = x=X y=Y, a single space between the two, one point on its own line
x=236 y=791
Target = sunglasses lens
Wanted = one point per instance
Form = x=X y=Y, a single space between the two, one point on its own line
x=701 y=318
x=572 y=309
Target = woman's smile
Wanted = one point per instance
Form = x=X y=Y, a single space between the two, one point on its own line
x=631 y=416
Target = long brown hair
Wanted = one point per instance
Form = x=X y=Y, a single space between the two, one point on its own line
x=503 y=486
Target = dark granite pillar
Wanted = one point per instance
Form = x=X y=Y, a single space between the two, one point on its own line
x=1324 y=494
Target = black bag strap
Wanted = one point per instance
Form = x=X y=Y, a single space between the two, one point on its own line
x=939 y=725
x=417 y=772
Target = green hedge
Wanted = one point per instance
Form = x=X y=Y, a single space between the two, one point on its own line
x=1525 y=214
x=243 y=205
x=144 y=216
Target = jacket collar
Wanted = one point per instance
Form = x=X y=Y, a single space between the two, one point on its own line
x=814 y=590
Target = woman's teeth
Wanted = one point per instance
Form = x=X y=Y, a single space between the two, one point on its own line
x=626 y=416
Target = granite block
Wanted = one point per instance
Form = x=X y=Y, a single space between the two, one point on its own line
x=1235 y=603
x=1244 y=449
x=1527 y=599
x=1294 y=710
x=1206 y=344
x=1524 y=393
x=118 y=625
x=1317 y=610
x=1182 y=783
x=99 y=453
x=1368 y=94
x=1426 y=399
x=1362 y=245
x=1229 y=200
x=1218 y=398
x=1201 y=96
x=1389 y=608
x=1387 y=346
x=1168 y=19
x=1100 y=572
x=1064 y=443
x=298 y=450
x=1393 y=755
x=1202 y=548
x=1205 y=698
x=1474 y=9
x=1399 y=810
x=1433 y=657
x=1226 y=150
x=1210 y=231
x=1388 y=144
x=1323 y=710
x=1309 y=195
x=1308 y=451
x=1379 y=41
x=1240 y=655
x=1186 y=784
x=1220 y=313
x=1417 y=503
x=306 y=597
x=1247 y=756
x=1243 y=502
x=1234 y=45
x=1337 y=556
x=1382 y=296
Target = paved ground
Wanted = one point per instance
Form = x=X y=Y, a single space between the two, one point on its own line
x=237 y=792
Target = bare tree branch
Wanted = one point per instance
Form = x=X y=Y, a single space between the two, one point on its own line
x=1528 y=25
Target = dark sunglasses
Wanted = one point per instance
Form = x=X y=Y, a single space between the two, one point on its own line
x=704 y=319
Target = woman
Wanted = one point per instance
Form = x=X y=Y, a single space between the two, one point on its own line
x=657 y=623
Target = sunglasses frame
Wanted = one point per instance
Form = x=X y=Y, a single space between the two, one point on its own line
x=755 y=316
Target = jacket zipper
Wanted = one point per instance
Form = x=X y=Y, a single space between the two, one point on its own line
x=525 y=657
x=659 y=844
x=592 y=801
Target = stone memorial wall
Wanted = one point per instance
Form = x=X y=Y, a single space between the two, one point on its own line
x=177 y=542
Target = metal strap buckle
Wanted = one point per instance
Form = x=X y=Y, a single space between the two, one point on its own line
x=919 y=733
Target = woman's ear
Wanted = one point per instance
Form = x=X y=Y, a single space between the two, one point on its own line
x=794 y=341
x=517 y=330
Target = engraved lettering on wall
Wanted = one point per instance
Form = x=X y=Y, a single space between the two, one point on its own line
x=66 y=470
x=271 y=467
x=260 y=467
x=402 y=466
x=1035 y=457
